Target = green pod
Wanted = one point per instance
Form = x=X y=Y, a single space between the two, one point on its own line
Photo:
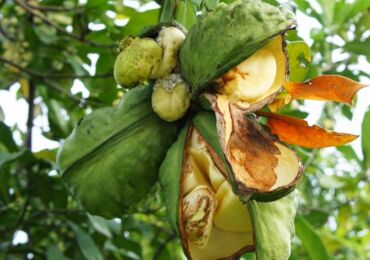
x=210 y=219
x=226 y=36
x=108 y=161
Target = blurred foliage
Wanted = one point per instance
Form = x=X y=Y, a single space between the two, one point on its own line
x=48 y=45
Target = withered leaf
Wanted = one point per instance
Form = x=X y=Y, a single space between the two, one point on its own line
x=297 y=132
x=326 y=88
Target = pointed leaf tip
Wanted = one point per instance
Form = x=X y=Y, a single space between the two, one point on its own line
x=297 y=132
x=326 y=88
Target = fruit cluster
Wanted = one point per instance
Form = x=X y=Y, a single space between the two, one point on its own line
x=228 y=180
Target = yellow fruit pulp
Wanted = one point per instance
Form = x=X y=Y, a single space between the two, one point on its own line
x=217 y=224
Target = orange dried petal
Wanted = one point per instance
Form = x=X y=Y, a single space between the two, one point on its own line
x=297 y=132
x=326 y=88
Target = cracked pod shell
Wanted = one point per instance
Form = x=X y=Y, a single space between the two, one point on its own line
x=223 y=226
x=235 y=32
x=259 y=166
x=108 y=161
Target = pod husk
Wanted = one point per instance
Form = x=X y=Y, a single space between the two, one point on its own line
x=255 y=141
x=226 y=36
x=108 y=161
x=273 y=222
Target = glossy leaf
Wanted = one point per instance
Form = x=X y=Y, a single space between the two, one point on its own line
x=54 y=253
x=297 y=131
x=100 y=224
x=185 y=13
x=6 y=138
x=365 y=136
x=310 y=239
x=86 y=243
x=325 y=88
x=299 y=57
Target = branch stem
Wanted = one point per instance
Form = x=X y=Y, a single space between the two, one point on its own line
x=60 y=29
x=50 y=75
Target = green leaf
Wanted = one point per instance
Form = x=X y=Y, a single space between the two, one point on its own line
x=9 y=157
x=6 y=138
x=54 y=253
x=365 y=138
x=349 y=153
x=299 y=57
x=47 y=34
x=310 y=239
x=345 y=11
x=328 y=11
x=46 y=154
x=186 y=13
x=346 y=111
x=86 y=243
x=167 y=11
x=317 y=217
x=59 y=125
x=2 y=116
x=100 y=224
x=331 y=182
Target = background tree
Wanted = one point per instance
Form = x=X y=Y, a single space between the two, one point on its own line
x=49 y=46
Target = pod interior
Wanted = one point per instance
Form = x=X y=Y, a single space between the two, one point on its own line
x=214 y=223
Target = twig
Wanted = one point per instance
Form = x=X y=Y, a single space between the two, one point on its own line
x=31 y=98
x=57 y=76
x=7 y=35
x=76 y=37
x=44 y=212
x=163 y=245
x=52 y=8
x=28 y=144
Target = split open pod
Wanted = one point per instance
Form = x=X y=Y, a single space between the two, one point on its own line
x=218 y=46
x=204 y=204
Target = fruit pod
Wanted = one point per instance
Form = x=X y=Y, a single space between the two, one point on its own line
x=108 y=161
x=210 y=219
x=236 y=31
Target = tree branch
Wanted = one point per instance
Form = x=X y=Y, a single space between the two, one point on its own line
x=163 y=245
x=57 y=76
x=51 y=8
x=7 y=35
x=31 y=104
x=60 y=29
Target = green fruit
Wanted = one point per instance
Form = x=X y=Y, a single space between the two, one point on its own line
x=209 y=217
x=226 y=36
x=170 y=97
x=108 y=161
x=137 y=60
